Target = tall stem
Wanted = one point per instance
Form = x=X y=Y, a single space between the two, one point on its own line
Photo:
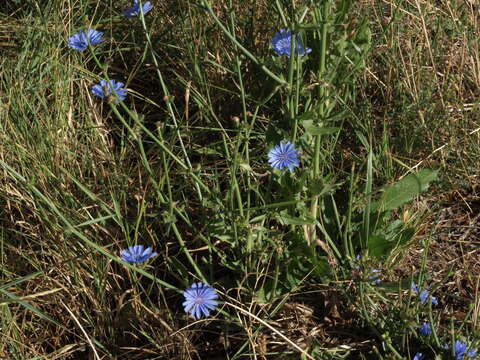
x=321 y=89
x=323 y=18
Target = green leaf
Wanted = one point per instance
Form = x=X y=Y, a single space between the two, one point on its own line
x=405 y=190
x=379 y=247
x=308 y=27
x=246 y=167
x=286 y=219
x=317 y=130
x=337 y=116
x=405 y=236
x=169 y=218
x=268 y=292
x=320 y=188
x=322 y=267
x=309 y=115
x=207 y=151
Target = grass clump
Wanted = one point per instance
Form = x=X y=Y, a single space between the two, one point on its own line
x=244 y=181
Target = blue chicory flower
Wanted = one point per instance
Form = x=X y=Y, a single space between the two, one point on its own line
x=282 y=43
x=375 y=276
x=356 y=263
x=137 y=254
x=460 y=350
x=472 y=353
x=284 y=155
x=135 y=10
x=113 y=88
x=425 y=329
x=418 y=356
x=415 y=288
x=424 y=295
x=82 y=39
x=200 y=299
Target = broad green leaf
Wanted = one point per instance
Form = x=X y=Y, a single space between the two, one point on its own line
x=337 y=116
x=265 y=294
x=320 y=188
x=379 y=247
x=322 y=267
x=309 y=115
x=317 y=130
x=405 y=236
x=406 y=189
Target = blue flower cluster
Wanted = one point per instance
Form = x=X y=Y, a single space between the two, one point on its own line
x=284 y=155
x=460 y=350
x=200 y=299
x=374 y=275
x=85 y=38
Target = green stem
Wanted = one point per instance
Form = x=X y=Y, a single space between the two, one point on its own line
x=321 y=89
x=323 y=18
x=167 y=96
x=236 y=186
x=297 y=97
x=72 y=228
x=240 y=46
x=166 y=150
x=148 y=132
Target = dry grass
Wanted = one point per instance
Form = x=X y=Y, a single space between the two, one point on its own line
x=418 y=98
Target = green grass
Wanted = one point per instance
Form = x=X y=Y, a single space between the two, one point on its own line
x=388 y=92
